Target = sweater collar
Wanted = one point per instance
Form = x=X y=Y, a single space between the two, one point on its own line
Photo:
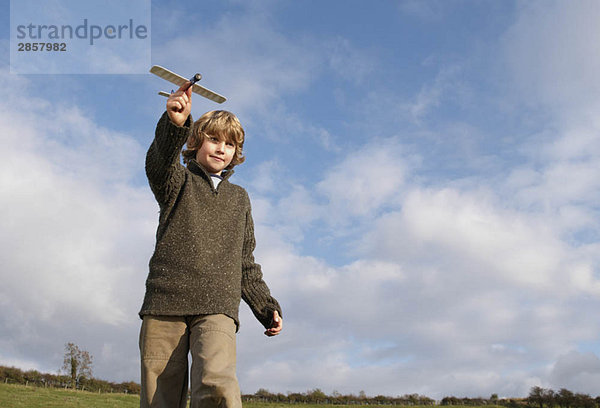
x=197 y=169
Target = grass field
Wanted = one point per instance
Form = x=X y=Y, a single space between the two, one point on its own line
x=20 y=396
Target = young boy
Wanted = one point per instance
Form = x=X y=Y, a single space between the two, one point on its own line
x=203 y=262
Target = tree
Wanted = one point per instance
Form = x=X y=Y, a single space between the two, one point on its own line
x=583 y=401
x=549 y=398
x=77 y=364
x=317 y=396
x=565 y=398
x=536 y=397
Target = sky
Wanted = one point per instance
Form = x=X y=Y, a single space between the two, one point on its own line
x=423 y=177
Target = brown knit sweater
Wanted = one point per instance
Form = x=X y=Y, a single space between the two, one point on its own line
x=203 y=261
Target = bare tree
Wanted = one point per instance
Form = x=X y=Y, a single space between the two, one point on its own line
x=77 y=363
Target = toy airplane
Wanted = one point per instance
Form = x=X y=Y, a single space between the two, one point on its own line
x=179 y=81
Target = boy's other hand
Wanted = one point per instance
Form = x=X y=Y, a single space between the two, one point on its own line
x=276 y=326
x=179 y=105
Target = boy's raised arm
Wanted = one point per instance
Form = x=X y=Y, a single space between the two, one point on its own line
x=162 y=169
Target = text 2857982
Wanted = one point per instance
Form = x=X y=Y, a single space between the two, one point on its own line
x=42 y=46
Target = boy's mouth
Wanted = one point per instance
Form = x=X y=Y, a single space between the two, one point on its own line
x=217 y=158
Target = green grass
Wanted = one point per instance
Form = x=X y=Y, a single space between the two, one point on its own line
x=20 y=396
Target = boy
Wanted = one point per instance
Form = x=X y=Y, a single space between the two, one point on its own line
x=202 y=263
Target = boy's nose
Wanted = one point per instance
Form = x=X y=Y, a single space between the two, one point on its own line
x=221 y=146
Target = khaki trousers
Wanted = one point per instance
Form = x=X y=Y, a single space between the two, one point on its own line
x=164 y=345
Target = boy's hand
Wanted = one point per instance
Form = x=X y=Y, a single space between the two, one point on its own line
x=179 y=105
x=276 y=326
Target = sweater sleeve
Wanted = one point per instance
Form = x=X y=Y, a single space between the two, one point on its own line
x=163 y=169
x=255 y=291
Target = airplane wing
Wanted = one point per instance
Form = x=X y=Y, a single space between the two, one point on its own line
x=179 y=80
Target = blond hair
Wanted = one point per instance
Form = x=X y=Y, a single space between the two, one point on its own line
x=221 y=124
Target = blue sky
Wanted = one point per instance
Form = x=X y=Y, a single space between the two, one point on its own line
x=423 y=176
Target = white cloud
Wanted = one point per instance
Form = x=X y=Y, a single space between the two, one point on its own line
x=552 y=58
x=63 y=229
x=454 y=280
x=76 y=235
x=563 y=171
x=503 y=243
x=578 y=372
x=431 y=95
x=367 y=179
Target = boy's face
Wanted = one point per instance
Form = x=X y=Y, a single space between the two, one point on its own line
x=215 y=154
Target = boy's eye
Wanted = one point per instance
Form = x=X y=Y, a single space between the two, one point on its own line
x=230 y=144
